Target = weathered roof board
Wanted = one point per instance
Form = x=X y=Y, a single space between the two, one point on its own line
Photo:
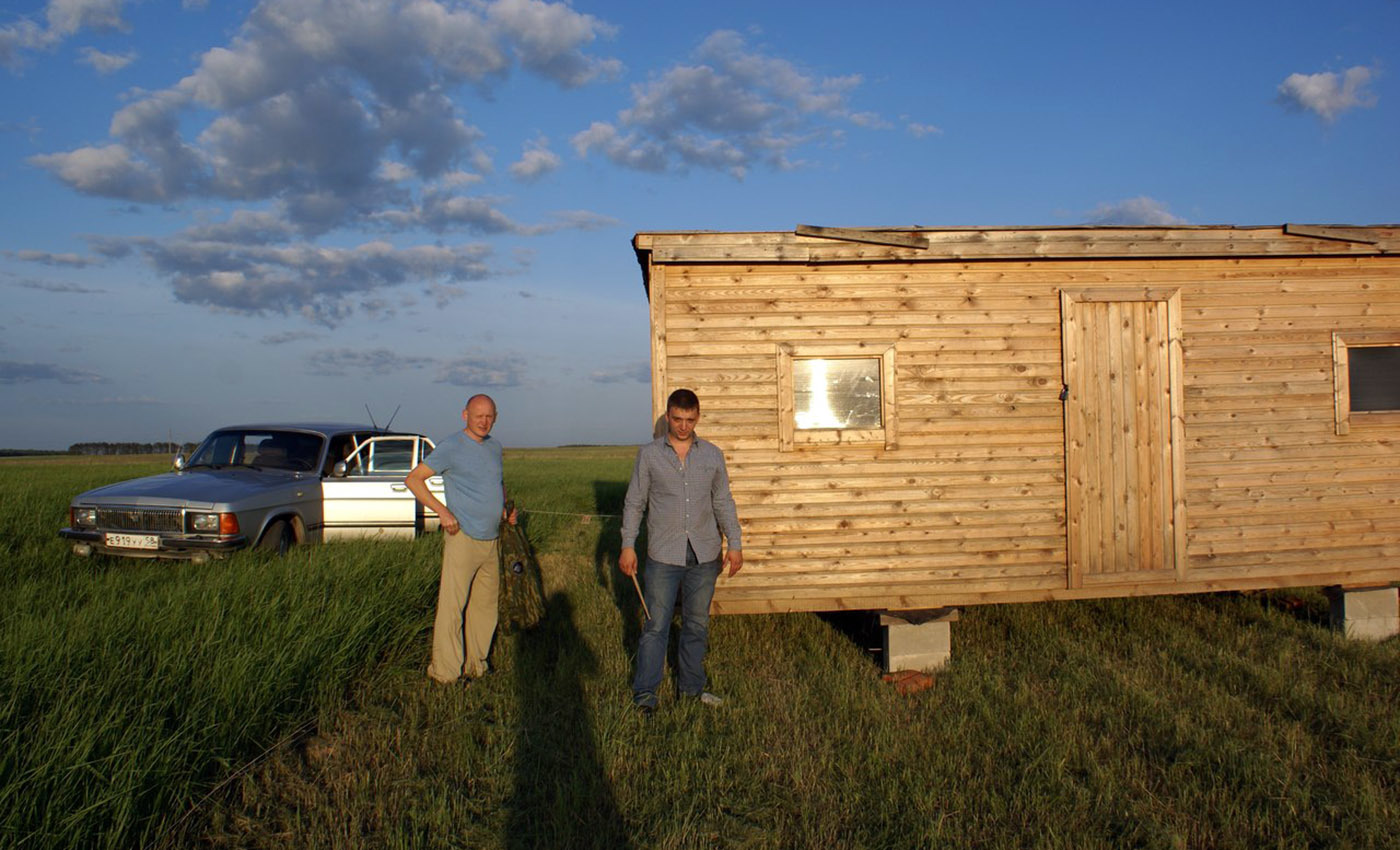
x=1204 y=441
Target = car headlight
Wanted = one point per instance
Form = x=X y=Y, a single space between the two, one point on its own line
x=205 y=523
x=224 y=524
x=84 y=517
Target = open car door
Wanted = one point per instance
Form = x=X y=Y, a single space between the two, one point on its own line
x=370 y=499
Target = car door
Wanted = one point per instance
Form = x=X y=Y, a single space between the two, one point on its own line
x=371 y=499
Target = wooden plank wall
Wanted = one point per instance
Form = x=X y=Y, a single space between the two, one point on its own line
x=1272 y=490
x=971 y=505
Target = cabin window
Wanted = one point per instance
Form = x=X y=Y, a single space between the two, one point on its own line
x=1366 y=373
x=835 y=395
x=836 y=392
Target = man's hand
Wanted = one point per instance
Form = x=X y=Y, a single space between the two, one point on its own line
x=735 y=561
x=627 y=561
x=510 y=516
x=448 y=522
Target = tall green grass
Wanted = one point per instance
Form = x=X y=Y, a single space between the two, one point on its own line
x=1206 y=722
x=266 y=703
x=130 y=687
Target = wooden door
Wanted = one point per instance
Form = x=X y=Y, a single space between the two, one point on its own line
x=1123 y=431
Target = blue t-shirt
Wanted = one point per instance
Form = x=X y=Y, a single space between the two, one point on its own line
x=473 y=480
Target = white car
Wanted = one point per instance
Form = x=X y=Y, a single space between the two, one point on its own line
x=271 y=486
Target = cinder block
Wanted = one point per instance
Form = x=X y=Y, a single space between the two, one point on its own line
x=1372 y=628
x=922 y=646
x=1371 y=614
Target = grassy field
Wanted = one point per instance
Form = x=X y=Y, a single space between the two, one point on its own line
x=258 y=702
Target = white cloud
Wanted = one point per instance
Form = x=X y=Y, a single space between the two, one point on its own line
x=546 y=37
x=378 y=361
x=106 y=63
x=482 y=372
x=580 y=220
x=68 y=16
x=288 y=336
x=1140 y=210
x=48 y=259
x=62 y=19
x=394 y=172
x=536 y=161
x=320 y=115
x=731 y=109
x=58 y=287
x=1328 y=95
x=919 y=131
x=468 y=371
x=109 y=171
x=109 y=401
x=19 y=37
x=20 y=372
x=638 y=372
x=323 y=285
x=869 y=120
x=312 y=98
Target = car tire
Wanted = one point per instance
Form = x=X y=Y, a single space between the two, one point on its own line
x=278 y=538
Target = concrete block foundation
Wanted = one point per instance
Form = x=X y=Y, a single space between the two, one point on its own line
x=917 y=640
x=1365 y=613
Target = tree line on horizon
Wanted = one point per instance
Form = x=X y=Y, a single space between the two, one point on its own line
x=125 y=448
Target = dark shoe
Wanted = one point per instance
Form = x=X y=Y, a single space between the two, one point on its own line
x=645 y=710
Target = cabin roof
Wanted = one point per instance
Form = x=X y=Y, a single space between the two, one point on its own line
x=807 y=244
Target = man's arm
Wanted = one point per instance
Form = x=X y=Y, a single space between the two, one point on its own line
x=728 y=516
x=632 y=509
x=417 y=482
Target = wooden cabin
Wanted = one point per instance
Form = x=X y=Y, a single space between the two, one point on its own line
x=928 y=417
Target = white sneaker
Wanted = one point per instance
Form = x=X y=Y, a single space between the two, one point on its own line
x=710 y=699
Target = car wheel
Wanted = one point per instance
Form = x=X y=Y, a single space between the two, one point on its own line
x=278 y=538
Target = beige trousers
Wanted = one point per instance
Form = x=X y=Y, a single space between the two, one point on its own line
x=468 y=595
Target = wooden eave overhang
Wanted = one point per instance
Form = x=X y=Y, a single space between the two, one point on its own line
x=810 y=245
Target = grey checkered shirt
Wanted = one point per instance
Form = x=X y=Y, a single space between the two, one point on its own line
x=683 y=504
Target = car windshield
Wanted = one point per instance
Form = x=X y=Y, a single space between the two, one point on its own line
x=260 y=449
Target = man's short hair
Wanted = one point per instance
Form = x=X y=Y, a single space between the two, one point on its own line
x=683 y=400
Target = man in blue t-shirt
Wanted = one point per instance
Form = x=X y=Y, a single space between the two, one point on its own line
x=469 y=462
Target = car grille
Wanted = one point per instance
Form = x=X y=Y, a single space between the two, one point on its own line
x=139 y=519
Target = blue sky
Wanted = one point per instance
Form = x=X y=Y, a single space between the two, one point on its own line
x=220 y=211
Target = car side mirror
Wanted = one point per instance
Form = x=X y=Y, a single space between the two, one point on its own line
x=179 y=462
x=339 y=470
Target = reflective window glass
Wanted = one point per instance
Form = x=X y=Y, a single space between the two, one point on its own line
x=836 y=392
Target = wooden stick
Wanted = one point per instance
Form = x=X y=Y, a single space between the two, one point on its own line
x=642 y=598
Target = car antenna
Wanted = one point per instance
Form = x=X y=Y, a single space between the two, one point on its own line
x=390 y=423
x=372 y=423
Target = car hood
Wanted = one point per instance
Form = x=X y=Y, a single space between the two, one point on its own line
x=196 y=487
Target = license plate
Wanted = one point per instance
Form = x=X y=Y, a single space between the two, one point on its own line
x=133 y=541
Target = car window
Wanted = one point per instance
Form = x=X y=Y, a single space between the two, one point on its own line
x=263 y=449
x=343 y=448
x=394 y=455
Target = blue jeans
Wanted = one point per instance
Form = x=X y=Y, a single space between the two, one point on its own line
x=696 y=583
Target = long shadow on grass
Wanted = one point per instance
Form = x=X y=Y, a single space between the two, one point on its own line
x=562 y=796
x=607 y=498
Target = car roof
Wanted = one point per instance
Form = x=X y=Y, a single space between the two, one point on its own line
x=324 y=428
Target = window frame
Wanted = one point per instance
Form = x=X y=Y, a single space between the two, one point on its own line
x=790 y=437
x=1347 y=418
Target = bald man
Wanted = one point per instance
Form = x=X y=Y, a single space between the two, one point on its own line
x=469 y=462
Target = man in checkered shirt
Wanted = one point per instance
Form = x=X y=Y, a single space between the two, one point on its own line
x=681 y=483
